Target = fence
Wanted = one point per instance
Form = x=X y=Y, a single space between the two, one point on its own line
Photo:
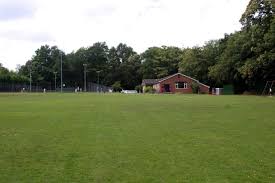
x=18 y=87
x=12 y=87
x=93 y=87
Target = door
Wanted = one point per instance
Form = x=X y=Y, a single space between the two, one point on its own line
x=167 y=88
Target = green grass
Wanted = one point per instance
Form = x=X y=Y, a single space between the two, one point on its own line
x=136 y=138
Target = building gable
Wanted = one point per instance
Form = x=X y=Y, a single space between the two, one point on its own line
x=185 y=76
x=176 y=83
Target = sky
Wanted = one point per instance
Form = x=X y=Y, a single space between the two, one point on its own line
x=25 y=25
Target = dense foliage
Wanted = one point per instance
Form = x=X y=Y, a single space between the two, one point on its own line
x=7 y=76
x=244 y=59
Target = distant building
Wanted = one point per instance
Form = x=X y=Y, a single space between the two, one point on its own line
x=176 y=83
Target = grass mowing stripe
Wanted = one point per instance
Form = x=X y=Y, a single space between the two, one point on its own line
x=136 y=138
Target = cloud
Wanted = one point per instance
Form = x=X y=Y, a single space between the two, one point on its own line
x=16 y=9
x=100 y=11
x=26 y=36
x=139 y=23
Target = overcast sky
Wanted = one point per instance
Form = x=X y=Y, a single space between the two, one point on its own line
x=25 y=25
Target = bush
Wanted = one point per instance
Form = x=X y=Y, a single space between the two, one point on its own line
x=138 y=88
x=117 y=87
x=195 y=87
x=149 y=89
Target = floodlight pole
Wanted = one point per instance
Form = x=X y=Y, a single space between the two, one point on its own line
x=30 y=69
x=55 y=80
x=61 y=80
x=97 y=80
x=85 y=77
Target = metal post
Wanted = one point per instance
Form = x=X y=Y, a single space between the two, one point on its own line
x=55 y=80
x=98 y=80
x=85 y=77
x=61 y=80
x=30 y=69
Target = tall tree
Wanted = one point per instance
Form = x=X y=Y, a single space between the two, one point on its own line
x=124 y=66
x=159 y=62
x=258 y=24
x=44 y=63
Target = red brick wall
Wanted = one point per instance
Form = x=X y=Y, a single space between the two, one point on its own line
x=179 y=78
x=204 y=89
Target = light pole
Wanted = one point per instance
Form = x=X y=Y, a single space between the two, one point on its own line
x=30 y=69
x=55 y=80
x=61 y=80
x=85 y=77
x=98 y=80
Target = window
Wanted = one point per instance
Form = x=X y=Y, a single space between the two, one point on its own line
x=181 y=85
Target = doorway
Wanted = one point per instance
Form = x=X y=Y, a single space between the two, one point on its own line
x=166 y=88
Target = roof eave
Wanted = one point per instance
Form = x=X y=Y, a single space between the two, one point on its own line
x=183 y=76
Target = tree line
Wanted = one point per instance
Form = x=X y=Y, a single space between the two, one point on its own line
x=244 y=59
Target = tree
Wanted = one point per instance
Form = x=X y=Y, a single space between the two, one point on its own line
x=248 y=60
x=124 y=66
x=43 y=64
x=95 y=56
x=192 y=63
x=160 y=62
x=117 y=87
x=10 y=77
x=196 y=61
x=3 y=70
x=258 y=24
x=258 y=12
x=244 y=59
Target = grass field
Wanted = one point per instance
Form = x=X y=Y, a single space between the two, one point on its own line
x=136 y=138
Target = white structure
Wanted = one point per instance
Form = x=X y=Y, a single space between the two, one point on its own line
x=219 y=91
x=129 y=91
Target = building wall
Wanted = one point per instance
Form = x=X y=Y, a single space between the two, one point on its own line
x=157 y=87
x=179 y=78
x=204 y=89
x=143 y=88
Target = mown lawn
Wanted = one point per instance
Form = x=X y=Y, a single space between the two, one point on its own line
x=136 y=138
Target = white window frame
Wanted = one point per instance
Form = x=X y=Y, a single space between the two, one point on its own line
x=185 y=85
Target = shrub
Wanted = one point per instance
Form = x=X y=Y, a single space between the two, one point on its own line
x=138 y=88
x=149 y=89
x=195 y=87
x=117 y=87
